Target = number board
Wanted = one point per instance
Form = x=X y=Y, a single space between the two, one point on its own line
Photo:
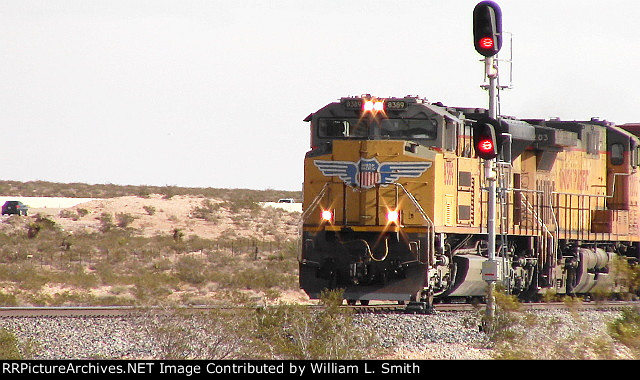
x=390 y=104
x=352 y=104
x=396 y=105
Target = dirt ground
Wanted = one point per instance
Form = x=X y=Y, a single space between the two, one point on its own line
x=160 y=215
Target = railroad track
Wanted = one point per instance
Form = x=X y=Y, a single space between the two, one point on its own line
x=55 y=311
x=452 y=307
x=110 y=311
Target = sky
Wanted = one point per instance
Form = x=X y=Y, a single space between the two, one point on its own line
x=213 y=93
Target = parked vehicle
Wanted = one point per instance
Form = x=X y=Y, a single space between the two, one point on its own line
x=14 y=207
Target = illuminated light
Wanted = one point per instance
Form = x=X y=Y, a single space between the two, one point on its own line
x=368 y=105
x=373 y=105
x=327 y=215
x=485 y=145
x=393 y=216
x=486 y=43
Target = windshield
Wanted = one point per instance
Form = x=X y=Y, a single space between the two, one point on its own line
x=399 y=129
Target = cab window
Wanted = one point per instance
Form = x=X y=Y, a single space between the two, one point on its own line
x=401 y=129
x=409 y=128
x=617 y=154
x=336 y=128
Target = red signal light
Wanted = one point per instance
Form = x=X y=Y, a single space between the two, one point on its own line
x=484 y=138
x=486 y=43
x=485 y=146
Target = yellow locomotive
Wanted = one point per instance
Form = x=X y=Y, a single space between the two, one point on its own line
x=395 y=206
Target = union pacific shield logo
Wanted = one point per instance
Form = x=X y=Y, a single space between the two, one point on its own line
x=366 y=173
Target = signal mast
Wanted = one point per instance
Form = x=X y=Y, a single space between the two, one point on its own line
x=487 y=39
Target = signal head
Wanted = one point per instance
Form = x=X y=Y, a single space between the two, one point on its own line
x=484 y=138
x=487 y=28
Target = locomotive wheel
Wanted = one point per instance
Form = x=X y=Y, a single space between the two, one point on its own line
x=420 y=303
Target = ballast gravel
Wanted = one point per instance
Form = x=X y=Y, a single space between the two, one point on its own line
x=439 y=336
x=459 y=336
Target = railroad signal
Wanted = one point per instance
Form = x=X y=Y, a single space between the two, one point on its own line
x=487 y=28
x=484 y=138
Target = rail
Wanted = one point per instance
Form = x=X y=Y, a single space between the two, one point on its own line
x=376 y=307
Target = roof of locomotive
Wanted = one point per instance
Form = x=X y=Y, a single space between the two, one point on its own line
x=633 y=128
x=338 y=108
x=520 y=129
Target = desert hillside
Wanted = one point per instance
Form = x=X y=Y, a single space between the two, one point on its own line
x=150 y=248
x=191 y=215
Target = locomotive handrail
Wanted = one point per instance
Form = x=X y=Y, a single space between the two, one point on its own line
x=538 y=219
x=315 y=202
x=529 y=207
x=430 y=225
x=415 y=203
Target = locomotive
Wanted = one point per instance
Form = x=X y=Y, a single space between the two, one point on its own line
x=395 y=203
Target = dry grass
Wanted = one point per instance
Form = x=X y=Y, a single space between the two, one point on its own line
x=148 y=249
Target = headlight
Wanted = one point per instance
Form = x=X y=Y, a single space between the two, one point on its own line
x=327 y=216
x=393 y=216
x=373 y=105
